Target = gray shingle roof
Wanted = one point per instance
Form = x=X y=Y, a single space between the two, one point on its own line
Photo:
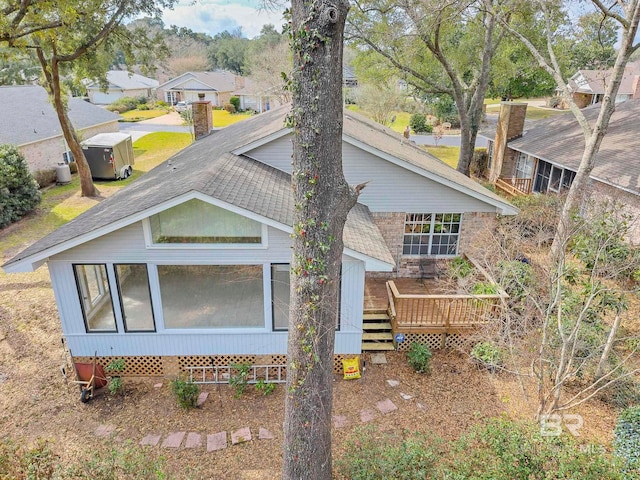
x=560 y=140
x=27 y=116
x=127 y=81
x=386 y=140
x=208 y=167
x=220 y=80
x=595 y=81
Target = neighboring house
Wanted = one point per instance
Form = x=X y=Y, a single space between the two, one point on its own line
x=189 y=265
x=121 y=84
x=349 y=79
x=544 y=157
x=30 y=122
x=587 y=87
x=217 y=87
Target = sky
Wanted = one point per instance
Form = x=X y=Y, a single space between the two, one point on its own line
x=215 y=16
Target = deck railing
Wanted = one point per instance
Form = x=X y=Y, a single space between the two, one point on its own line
x=442 y=313
x=515 y=186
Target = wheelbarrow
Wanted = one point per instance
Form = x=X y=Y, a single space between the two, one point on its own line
x=90 y=377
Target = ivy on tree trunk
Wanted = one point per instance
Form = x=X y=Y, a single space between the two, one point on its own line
x=323 y=200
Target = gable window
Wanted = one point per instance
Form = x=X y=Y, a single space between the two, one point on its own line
x=212 y=296
x=135 y=297
x=198 y=222
x=431 y=233
x=95 y=297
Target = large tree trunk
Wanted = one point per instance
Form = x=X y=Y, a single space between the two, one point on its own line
x=52 y=83
x=322 y=201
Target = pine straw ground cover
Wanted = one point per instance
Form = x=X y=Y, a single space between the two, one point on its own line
x=36 y=402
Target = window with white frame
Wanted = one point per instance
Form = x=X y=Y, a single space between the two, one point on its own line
x=524 y=166
x=195 y=221
x=95 y=297
x=431 y=234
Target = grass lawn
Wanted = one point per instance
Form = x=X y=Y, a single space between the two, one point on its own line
x=535 y=113
x=222 y=118
x=139 y=115
x=398 y=125
x=448 y=155
x=60 y=204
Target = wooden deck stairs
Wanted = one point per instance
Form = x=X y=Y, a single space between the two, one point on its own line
x=376 y=331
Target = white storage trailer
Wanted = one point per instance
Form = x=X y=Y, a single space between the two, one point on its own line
x=109 y=155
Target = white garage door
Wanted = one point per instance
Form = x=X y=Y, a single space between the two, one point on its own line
x=102 y=98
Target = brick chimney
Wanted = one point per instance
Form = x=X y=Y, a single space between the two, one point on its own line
x=510 y=126
x=202 y=119
x=239 y=83
x=636 y=87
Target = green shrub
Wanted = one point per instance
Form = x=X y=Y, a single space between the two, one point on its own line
x=627 y=439
x=265 y=387
x=484 y=288
x=18 y=190
x=124 y=104
x=119 y=461
x=460 y=268
x=186 y=392
x=418 y=123
x=371 y=454
x=40 y=462
x=115 y=368
x=419 y=357
x=230 y=108
x=487 y=355
x=235 y=101
x=501 y=449
x=515 y=277
x=240 y=378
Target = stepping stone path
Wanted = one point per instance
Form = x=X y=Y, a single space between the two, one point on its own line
x=173 y=440
x=241 y=436
x=202 y=398
x=386 y=406
x=378 y=359
x=217 y=441
x=194 y=440
x=151 y=440
x=340 y=421
x=104 y=431
x=367 y=415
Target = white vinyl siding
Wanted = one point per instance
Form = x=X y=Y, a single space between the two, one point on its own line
x=127 y=245
x=390 y=188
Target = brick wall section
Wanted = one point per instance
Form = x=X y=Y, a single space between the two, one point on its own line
x=46 y=154
x=602 y=191
x=509 y=162
x=391 y=226
x=510 y=126
x=472 y=223
x=202 y=119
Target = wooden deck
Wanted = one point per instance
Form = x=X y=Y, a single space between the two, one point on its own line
x=377 y=298
x=421 y=306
